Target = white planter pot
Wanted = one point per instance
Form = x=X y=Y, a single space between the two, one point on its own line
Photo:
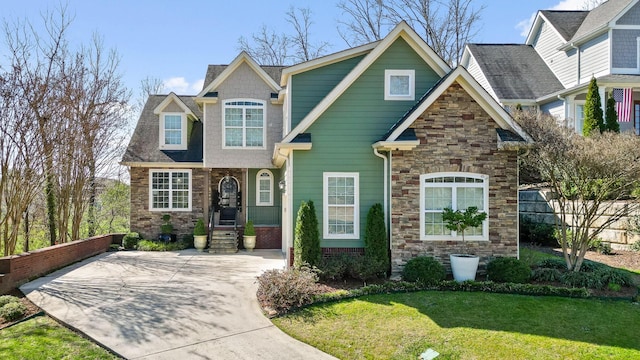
x=464 y=267
x=249 y=242
x=200 y=242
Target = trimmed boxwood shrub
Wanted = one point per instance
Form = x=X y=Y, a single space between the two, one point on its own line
x=5 y=299
x=424 y=270
x=130 y=240
x=335 y=267
x=366 y=268
x=12 y=311
x=509 y=270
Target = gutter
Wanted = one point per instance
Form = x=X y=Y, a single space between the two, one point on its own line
x=386 y=203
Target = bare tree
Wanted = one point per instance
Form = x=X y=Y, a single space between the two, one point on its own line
x=587 y=177
x=270 y=48
x=364 y=21
x=446 y=25
x=305 y=50
x=267 y=47
x=591 y=4
x=76 y=101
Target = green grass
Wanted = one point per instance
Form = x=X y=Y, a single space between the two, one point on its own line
x=469 y=326
x=43 y=338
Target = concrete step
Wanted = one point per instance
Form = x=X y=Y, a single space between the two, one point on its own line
x=223 y=241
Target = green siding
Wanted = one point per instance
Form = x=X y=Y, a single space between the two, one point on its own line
x=310 y=87
x=263 y=215
x=343 y=135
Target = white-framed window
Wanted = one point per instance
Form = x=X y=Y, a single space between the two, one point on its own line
x=264 y=188
x=455 y=190
x=170 y=190
x=341 y=219
x=243 y=124
x=399 y=84
x=579 y=117
x=173 y=131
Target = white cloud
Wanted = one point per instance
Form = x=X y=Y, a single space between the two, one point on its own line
x=197 y=85
x=181 y=86
x=525 y=25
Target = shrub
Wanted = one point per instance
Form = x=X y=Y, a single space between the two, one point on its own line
x=635 y=246
x=601 y=247
x=166 y=228
x=199 y=229
x=13 y=311
x=130 y=240
x=149 y=245
x=366 y=268
x=187 y=240
x=335 y=267
x=553 y=263
x=610 y=276
x=5 y=299
x=591 y=266
x=375 y=237
x=546 y=275
x=424 y=270
x=283 y=290
x=509 y=270
x=614 y=287
x=306 y=248
x=582 y=279
x=537 y=233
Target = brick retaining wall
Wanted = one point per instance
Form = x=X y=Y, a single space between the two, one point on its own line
x=16 y=270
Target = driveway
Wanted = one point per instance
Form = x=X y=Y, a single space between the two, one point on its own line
x=170 y=305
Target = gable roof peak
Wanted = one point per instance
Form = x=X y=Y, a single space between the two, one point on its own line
x=242 y=58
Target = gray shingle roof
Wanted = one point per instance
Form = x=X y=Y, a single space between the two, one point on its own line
x=600 y=16
x=515 y=71
x=566 y=22
x=213 y=71
x=144 y=144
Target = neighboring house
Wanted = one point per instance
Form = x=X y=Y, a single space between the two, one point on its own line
x=563 y=51
x=387 y=122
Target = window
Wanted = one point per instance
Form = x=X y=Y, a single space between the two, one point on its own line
x=579 y=118
x=399 y=84
x=341 y=204
x=264 y=188
x=243 y=124
x=170 y=190
x=457 y=191
x=173 y=134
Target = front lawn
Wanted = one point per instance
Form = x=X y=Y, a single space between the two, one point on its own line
x=43 y=338
x=461 y=325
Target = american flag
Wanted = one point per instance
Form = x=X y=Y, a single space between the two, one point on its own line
x=623 y=99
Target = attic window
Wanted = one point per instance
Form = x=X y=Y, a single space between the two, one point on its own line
x=173 y=131
x=399 y=84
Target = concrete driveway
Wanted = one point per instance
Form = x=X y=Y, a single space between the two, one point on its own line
x=170 y=305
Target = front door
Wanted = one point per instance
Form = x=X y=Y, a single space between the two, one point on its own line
x=229 y=200
x=636 y=116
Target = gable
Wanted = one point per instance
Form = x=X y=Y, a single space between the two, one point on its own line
x=243 y=82
x=630 y=17
x=360 y=115
x=402 y=31
x=172 y=107
x=480 y=96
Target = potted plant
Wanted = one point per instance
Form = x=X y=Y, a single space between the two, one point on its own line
x=166 y=229
x=249 y=238
x=463 y=266
x=200 y=236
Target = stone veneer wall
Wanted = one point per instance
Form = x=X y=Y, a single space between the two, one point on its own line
x=455 y=134
x=148 y=223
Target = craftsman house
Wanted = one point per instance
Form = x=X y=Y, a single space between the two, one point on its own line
x=387 y=122
x=563 y=51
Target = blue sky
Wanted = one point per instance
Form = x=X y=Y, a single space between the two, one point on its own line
x=176 y=40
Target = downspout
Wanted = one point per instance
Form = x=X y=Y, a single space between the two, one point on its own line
x=386 y=203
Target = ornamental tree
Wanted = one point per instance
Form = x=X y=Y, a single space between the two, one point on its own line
x=585 y=176
x=375 y=237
